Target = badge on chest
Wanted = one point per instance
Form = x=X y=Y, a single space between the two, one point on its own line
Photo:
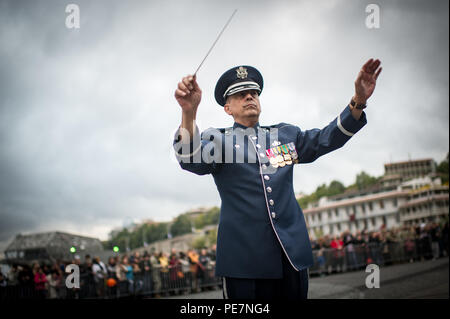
x=282 y=155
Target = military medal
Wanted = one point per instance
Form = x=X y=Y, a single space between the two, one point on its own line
x=286 y=155
x=293 y=152
x=272 y=159
x=280 y=158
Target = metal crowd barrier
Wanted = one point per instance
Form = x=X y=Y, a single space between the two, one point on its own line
x=356 y=257
x=153 y=283
x=173 y=280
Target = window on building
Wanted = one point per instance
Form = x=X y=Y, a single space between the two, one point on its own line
x=381 y=204
x=370 y=206
x=329 y=214
x=395 y=202
x=363 y=207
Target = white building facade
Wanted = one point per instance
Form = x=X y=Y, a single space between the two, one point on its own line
x=415 y=201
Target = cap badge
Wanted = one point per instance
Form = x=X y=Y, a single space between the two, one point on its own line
x=241 y=73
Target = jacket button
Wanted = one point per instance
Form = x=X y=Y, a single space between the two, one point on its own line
x=258 y=146
x=266 y=177
x=271 y=202
x=269 y=189
x=254 y=137
x=262 y=155
x=274 y=215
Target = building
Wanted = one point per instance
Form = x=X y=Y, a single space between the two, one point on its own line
x=427 y=204
x=51 y=246
x=411 y=169
x=369 y=212
x=408 y=193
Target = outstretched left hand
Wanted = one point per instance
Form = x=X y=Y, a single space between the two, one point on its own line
x=366 y=80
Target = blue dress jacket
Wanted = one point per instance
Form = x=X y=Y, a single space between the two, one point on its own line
x=260 y=218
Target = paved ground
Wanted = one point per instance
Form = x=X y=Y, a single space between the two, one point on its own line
x=423 y=280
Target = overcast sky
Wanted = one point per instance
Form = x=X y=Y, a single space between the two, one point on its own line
x=87 y=115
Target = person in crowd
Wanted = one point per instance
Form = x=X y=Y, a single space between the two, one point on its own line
x=349 y=248
x=127 y=271
x=54 y=280
x=410 y=247
x=174 y=270
x=435 y=236
x=445 y=239
x=338 y=253
x=186 y=271
x=320 y=256
x=40 y=282
x=146 y=271
x=112 y=268
x=156 y=274
x=385 y=247
x=203 y=262
x=138 y=280
x=3 y=280
x=26 y=281
x=164 y=263
x=212 y=254
x=13 y=276
x=99 y=273
x=193 y=261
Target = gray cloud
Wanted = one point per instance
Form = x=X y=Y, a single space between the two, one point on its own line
x=87 y=115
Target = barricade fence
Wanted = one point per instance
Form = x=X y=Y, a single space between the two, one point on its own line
x=355 y=257
x=182 y=280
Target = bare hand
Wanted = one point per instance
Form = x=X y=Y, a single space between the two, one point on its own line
x=188 y=94
x=366 y=80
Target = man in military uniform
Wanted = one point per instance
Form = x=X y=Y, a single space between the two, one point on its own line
x=263 y=247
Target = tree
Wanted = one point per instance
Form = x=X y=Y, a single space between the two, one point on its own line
x=181 y=225
x=212 y=237
x=335 y=188
x=199 y=242
x=442 y=170
x=364 y=180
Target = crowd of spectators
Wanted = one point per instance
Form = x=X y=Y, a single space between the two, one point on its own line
x=151 y=273
x=418 y=242
x=154 y=273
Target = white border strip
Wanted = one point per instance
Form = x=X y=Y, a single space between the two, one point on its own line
x=343 y=130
